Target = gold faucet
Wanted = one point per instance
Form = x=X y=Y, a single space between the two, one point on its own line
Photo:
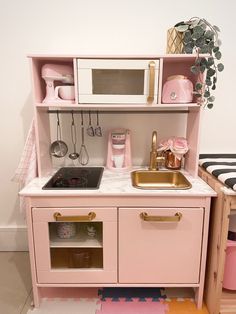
x=155 y=159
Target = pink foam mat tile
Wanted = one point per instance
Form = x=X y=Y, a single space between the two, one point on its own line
x=132 y=307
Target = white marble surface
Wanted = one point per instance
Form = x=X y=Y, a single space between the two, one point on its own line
x=118 y=183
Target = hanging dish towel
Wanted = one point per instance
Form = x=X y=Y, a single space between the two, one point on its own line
x=27 y=168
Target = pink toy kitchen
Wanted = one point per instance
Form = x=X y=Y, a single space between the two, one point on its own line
x=133 y=212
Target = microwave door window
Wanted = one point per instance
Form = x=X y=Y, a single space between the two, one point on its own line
x=118 y=82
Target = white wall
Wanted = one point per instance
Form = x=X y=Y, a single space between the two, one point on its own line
x=97 y=27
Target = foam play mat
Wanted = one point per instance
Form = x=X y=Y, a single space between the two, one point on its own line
x=184 y=306
x=123 y=300
x=63 y=306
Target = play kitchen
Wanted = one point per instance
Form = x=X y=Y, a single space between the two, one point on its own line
x=129 y=196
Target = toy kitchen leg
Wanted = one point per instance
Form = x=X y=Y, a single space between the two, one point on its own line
x=36 y=290
x=200 y=290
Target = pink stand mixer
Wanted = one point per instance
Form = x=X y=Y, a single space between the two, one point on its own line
x=119 y=150
x=53 y=74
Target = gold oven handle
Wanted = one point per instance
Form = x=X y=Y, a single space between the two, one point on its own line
x=89 y=217
x=151 y=81
x=177 y=217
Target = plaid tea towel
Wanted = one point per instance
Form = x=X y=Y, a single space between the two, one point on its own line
x=27 y=167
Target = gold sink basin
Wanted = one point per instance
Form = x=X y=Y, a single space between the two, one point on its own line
x=165 y=180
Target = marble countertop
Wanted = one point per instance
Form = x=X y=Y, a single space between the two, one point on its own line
x=117 y=184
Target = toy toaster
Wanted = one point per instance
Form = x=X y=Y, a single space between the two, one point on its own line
x=177 y=89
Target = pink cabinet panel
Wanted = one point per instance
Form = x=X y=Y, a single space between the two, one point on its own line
x=160 y=251
x=75 y=250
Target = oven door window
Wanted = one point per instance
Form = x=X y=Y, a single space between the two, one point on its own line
x=76 y=245
x=118 y=82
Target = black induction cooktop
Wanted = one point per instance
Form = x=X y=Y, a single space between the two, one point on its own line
x=72 y=178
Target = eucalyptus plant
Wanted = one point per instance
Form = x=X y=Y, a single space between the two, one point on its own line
x=200 y=37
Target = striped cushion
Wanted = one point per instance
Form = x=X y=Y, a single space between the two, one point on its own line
x=221 y=166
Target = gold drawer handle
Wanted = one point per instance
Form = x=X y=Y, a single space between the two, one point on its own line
x=151 y=81
x=177 y=217
x=89 y=217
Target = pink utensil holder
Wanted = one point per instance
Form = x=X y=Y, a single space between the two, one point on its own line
x=229 y=281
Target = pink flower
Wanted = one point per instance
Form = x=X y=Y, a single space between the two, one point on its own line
x=177 y=145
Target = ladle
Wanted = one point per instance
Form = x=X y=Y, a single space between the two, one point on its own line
x=73 y=155
x=58 y=148
x=83 y=154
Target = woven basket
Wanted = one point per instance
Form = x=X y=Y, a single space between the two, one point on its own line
x=174 y=41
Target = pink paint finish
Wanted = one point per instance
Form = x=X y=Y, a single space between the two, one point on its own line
x=161 y=252
x=193 y=135
x=134 y=307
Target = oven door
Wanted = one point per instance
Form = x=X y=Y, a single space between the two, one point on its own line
x=117 y=81
x=75 y=245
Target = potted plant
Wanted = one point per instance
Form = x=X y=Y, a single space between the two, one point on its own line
x=200 y=37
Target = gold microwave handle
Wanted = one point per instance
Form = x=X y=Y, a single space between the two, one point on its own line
x=177 y=217
x=89 y=217
x=151 y=81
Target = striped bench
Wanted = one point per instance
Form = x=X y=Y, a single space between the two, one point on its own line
x=221 y=166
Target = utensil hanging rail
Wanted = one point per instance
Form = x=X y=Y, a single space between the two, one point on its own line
x=118 y=111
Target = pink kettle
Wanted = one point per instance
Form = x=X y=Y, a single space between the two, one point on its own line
x=177 y=89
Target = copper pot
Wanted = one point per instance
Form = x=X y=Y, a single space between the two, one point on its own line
x=171 y=161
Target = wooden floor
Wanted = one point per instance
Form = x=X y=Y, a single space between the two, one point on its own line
x=228 y=302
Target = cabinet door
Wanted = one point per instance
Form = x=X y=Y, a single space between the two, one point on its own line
x=158 y=250
x=117 y=81
x=75 y=245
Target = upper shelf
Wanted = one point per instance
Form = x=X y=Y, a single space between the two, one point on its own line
x=56 y=57
x=120 y=107
x=108 y=82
